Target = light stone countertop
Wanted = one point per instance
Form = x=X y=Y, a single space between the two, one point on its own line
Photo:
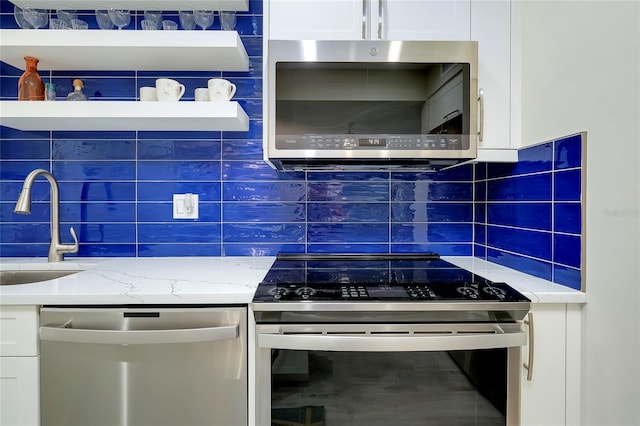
x=203 y=280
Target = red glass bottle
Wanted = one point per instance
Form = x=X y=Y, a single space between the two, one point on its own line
x=30 y=86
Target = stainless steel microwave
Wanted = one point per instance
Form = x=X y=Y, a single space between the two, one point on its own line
x=370 y=104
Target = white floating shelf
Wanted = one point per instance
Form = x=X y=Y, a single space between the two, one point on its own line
x=123 y=115
x=125 y=50
x=239 y=5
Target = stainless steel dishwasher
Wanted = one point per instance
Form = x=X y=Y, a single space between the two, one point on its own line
x=143 y=366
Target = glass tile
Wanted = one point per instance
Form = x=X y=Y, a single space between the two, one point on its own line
x=431 y=232
x=531 y=243
x=568 y=152
x=263 y=232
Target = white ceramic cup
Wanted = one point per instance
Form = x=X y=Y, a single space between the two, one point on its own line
x=201 y=94
x=169 y=90
x=148 y=94
x=221 y=89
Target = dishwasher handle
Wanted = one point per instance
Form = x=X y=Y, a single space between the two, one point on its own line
x=61 y=333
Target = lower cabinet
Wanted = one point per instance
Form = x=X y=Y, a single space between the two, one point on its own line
x=19 y=366
x=20 y=390
x=550 y=382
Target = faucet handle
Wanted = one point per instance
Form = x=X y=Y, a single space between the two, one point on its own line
x=71 y=248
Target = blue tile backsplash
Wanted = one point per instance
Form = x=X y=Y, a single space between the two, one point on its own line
x=116 y=188
x=530 y=217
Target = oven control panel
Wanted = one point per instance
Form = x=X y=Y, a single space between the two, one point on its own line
x=484 y=290
x=415 y=291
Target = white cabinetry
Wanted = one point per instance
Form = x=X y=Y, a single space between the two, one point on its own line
x=491 y=27
x=550 y=397
x=126 y=50
x=488 y=22
x=19 y=366
x=369 y=19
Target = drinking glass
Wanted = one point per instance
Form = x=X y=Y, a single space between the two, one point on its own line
x=36 y=17
x=58 y=24
x=148 y=25
x=67 y=15
x=21 y=20
x=120 y=16
x=203 y=17
x=169 y=25
x=79 y=24
x=187 y=19
x=228 y=19
x=103 y=19
x=155 y=16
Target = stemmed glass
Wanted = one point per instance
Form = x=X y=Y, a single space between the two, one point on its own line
x=36 y=17
x=21 y=20
x=228 y=19
x=67 y=16
x=120 y=16
x=187 y=20
x=155 y=16
x=103 y=19
x=203 y=17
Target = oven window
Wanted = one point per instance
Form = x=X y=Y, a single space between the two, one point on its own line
x=404 y=388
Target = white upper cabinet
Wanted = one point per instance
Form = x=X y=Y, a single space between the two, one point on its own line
x=369 y=19
x=420 y=19
x=491 y=27
x=316 y=20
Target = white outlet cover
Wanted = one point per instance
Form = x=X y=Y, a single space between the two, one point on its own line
x=181 y=209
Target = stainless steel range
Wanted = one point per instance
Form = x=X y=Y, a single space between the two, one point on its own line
x=369 y=339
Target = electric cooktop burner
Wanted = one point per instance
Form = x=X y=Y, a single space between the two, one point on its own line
x=376 y=278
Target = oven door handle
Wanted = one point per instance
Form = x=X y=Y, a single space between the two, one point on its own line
x=391 y=342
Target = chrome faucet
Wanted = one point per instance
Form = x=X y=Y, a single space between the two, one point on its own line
x=23 y=206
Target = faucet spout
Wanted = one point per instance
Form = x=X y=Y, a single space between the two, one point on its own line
x=23 y=206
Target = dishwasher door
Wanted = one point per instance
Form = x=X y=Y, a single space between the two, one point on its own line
x=144 y=366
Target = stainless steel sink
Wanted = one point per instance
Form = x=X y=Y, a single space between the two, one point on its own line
x=31 y=276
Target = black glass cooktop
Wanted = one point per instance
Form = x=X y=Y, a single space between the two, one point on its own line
x=361 y=278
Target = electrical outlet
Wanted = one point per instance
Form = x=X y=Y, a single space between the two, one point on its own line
x=185 y=206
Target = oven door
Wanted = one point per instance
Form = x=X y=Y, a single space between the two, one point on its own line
x=380 y=374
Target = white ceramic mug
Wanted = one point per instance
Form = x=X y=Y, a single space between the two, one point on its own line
x=169 y=90
x=201 y=94
x=148 y=94
x=221 y=89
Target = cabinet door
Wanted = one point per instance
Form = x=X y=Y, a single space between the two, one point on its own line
x=491 y=27
x=19 y=330
x=421 y=19
x=316 y=19
x=370 y=19
x=19 y=391
x=543 y=397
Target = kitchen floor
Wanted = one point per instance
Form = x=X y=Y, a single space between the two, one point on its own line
x=410 y=388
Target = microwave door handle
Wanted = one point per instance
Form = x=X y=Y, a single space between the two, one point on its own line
x=380 y=9
x=365 y=5
x=390 y=343
x=481 y=120
x=58 y=333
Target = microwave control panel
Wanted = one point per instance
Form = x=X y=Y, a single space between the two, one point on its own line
x=439 y=142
